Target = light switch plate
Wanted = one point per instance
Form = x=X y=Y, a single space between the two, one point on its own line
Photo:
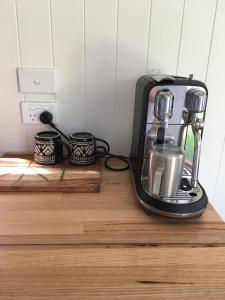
x=36 y=80
x=31 y=111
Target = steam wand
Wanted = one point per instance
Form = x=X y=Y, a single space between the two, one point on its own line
x=195 y=103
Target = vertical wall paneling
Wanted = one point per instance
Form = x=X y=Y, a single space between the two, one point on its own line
x=68 y=47
x=214 y=124
x=165 y=29
x=196 y=37
x=132 y=42
x=35 y=33
x=12 y=132
x=100 y=57
x=34 y=26
x=219 y=195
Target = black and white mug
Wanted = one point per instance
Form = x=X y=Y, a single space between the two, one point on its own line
x=83 y=148
x=48 y=148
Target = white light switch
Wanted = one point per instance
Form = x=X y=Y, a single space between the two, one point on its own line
x=36 y=80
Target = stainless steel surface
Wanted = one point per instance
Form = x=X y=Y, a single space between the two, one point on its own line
x=196 y=159
x=165 y=213
x=173 y=135
x=163 y=107
x=179 y=93
x=165 y=170
x=189 y=103
x=151 y=138
x=152 y=135
x=177 y=123
x=197 y=127
x=195 y=103
x=182 y=197
x=195 y=100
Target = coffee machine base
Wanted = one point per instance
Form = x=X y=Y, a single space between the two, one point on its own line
x=173 y=210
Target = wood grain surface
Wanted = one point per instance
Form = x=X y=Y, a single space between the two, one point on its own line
x=19 y=173
x=103 y=246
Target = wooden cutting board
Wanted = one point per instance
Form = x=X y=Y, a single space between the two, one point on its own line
x=19 y=173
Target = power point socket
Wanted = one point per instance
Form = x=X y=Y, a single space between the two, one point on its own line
x=30 y=111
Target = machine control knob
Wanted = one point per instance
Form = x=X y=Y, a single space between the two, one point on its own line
x=195 y=100
x=163 y=107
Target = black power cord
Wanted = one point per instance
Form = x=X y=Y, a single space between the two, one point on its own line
x=120 y=157
x=46 y=117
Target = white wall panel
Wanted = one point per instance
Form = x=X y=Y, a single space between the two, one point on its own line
x=165 y=30
x=196 y=37
x=12 y=132
x=100 y=60
x=219 y=196
x=214 y=126
x=34 y=29
x=68 y=46
x=35 y=33
x=132 y=46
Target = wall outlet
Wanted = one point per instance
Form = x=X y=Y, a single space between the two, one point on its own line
x=31 y=111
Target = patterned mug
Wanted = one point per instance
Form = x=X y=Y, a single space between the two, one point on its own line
x=48 y=148
x=83 y=149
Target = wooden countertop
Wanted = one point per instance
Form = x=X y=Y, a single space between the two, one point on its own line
x=103 y=246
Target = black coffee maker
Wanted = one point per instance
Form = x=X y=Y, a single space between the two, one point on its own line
x=165 y=153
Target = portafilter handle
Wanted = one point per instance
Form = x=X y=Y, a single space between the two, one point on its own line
x=195 y=103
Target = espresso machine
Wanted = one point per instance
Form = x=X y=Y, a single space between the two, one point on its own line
x=168 y=119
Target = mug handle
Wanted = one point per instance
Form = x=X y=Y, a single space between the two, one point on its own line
x=67 y=147
x=105 y=148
